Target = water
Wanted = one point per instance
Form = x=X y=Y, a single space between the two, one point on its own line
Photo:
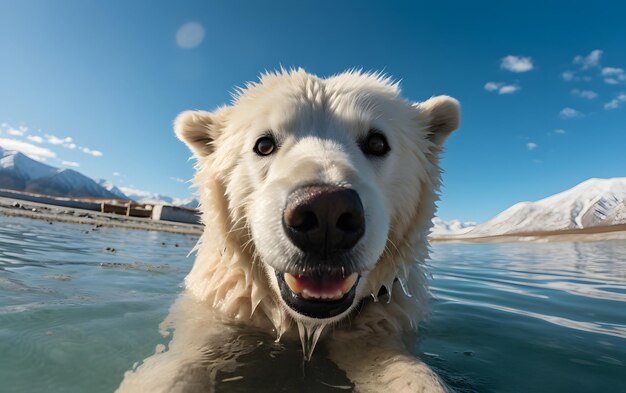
x=75 y=316
x=529 y=317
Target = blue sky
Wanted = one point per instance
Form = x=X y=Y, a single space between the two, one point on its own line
x=95 y=85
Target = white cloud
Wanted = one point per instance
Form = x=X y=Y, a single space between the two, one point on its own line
x=190 y=35
x=588 y=94
x=531 y=145
x=501 y=87
x=508 y=89
x=559 y=131
x=95 y=153
x=607 y=71
x=178 y=179
x=616 y=102
x=567 y=75
x=516 y=63
x=65 y=142
x=70 y=163
x=589 y=61
x=20 y=131
x=584 y=63
x=53 y=140
x=35 y=152
x=116 y=174
x=137 y=192
x=613 y=75
x=491 y=86
x=35 y=138
x=568 y=113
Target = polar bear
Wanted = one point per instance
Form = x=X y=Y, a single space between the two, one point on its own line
x=317 y=196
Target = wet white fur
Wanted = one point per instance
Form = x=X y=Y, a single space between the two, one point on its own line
x=317 y=123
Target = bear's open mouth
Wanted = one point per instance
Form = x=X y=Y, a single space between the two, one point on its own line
x=317 y=295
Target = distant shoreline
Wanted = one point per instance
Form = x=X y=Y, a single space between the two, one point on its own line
x=608 y=232
x=12 y=207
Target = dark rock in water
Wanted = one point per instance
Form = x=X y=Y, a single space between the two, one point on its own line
x=148 y=267
x=110 y=249
x=115 y=265
x=58 y=277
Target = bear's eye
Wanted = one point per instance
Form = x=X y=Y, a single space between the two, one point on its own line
x=375 y=144
x=265 y=146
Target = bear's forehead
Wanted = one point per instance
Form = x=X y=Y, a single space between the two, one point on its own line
x=300 y=87
x=293 y=99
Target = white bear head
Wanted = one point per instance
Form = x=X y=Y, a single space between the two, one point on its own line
x=326 y=186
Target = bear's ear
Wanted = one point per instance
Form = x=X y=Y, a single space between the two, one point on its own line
x=198 y=130
x=441 y=115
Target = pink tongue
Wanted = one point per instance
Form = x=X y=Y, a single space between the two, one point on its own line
x=320 y=284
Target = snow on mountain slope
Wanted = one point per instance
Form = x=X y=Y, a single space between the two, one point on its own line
x=452 y=227
x=146 y=196
x=155 y=198
x=23 y=166
x=189 y=203
x=22 y=173
x=586 y=205
x=68 y=182
x=112 y=188
x=617 y=215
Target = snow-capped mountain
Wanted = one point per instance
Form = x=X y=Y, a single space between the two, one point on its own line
x=112 y=188
x=146 y=196
x=17 y=169
x=155 y=198
x=452 y=227
x=21 y=173
x=189 y=203
x=68 y=182
x=617 y=215
x=595 y=202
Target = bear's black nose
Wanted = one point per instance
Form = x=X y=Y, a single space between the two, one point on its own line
x=324 y=219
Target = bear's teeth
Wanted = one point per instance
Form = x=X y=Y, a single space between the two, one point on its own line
x=299 y=287
x=324 y=296
x=349 y=282
x=293 y=283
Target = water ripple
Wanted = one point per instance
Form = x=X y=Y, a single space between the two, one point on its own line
x=528 y=317
x=615 y=330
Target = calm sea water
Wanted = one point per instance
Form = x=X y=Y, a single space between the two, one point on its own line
x=80 y=305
